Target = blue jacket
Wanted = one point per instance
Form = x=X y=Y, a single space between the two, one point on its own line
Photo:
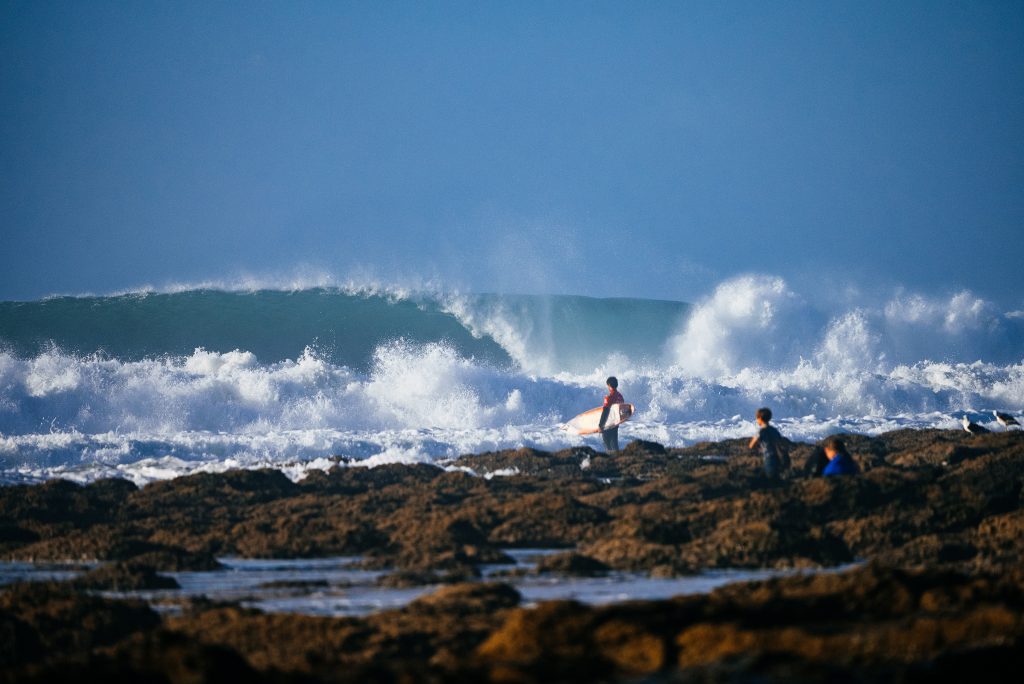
x=842 y=464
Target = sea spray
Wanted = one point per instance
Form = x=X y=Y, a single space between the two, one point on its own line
x=754 y=321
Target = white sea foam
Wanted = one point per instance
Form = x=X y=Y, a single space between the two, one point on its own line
x=754 y=321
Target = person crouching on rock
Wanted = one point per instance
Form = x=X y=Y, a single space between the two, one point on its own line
x=611 y=435
x=839 y=460
x=773 y=445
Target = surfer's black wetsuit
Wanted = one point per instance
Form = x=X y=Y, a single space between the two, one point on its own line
x=611 y=435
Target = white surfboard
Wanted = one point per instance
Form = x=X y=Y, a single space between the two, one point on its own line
x=586 y=422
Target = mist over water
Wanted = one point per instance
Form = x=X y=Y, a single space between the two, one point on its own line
x=156 y=384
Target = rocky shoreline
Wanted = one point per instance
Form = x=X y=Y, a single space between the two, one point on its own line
x=936 y=517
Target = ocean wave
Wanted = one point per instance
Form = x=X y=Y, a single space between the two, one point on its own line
x=128 y=384
x=346 y=326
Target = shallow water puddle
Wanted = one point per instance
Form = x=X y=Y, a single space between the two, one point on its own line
x=18 y=571
x=336 y=587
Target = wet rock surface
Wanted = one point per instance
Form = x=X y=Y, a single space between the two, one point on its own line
x=938 y=514
x=124 y=577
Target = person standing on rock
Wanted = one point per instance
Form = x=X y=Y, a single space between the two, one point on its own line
x=771 y=442
x=611 y=435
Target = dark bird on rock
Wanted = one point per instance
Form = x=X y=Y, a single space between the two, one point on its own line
x=1005 y=419
x=973 y=428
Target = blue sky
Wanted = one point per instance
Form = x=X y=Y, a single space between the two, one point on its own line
x=613 y=149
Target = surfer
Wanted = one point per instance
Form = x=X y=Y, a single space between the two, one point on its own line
x=611 y=435
x=771 y=442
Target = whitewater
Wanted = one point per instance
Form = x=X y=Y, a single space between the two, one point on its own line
x=156 y=384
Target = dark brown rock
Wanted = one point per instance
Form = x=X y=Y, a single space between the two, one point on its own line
x=55 y=621
x=573 y=564
x=466 y=599
x=940 y=513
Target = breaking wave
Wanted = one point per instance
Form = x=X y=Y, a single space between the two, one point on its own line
x=149 y=385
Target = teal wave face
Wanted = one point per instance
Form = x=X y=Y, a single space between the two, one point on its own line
x=274 y=325
x=538 y=333
x=549 y=334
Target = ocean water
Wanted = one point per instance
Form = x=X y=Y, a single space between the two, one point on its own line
x=155 y=384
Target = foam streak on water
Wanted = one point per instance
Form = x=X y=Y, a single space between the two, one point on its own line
x=153 y=385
